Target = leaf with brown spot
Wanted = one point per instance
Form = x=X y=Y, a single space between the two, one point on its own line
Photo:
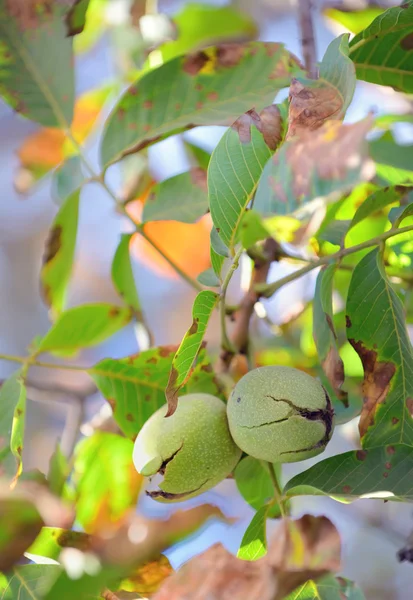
x=181 y=198
x=83 y=326
x=314 y=165
x=378 y=334
x=185 y=356
x=382 y=51
x=327 y=588
x=122 y=275
x=301 y=549
x=135 y=385
x=324 y=334
x=212 y=70
x=23 y=512
x=236 y=166
x=12 y=422
x=59 y=255
x=147 y=578
x=39 y=88
x=51 y=541
x=312 y=103
x=359 y=473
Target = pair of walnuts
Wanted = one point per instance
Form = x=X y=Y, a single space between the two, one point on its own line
x=277 y=414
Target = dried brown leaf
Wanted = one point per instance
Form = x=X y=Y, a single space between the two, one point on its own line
x=268 y=122
x=311 y=107
x=301 y=550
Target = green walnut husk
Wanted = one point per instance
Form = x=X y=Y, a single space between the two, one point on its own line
x=193 y=449
x=280 y=414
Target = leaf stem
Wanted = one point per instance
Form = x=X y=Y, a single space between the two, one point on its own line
x=278 y=495
x=225 y=341
x=99 y=178
x=38 y=363
x=268 y=290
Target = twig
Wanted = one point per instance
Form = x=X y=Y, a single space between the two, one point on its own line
x=242 y=316
x=74 y=419
x=304 y=8
x=270 y=289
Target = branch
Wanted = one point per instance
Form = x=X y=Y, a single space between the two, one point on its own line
x=243 y=314
x=270 y=289
x=304 y=8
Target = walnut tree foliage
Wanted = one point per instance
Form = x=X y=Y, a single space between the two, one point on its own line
x=289 y=181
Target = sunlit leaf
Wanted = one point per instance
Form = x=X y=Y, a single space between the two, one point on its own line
x=393 y=160
x=83 y=326
x=147 y=578
x=236 y=166
x=254 y=541
x=218 y=252
x=59 y=470
x=397 y=215
x=106 y=482
x=382 y=472
x=377 y=331
x=181 y=198
x=382 y=52
x=51 y=541
x=28 y=582
x=76 y=17
x=327 y=588
x=122 y=275
x=377 y=201
x=135 y=386
x=195 y=90
x=59 y=255
x=355 y=21
x=12 y=419
x=325 y=336
x=254 y=484
x=37 y=87
x=67 y=178
x=185 y=356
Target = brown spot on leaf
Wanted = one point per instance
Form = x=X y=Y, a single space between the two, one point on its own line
x=213 y=96
x=207 y=368
x=73 y=539
x=114 y=312
x=333 y=367
x=346 y=489
x=178 y=106
x=199 y=105
x=165 y=351
x=112 y=403
x=171 y=392
x=53 y=243
x=148 y=104
x=229 y=55
x=390 y=450
x=199 y=178
x=152 y=360
x=132 y=126
x=19 y=412
x=121 y=113
x=348 y=322
x=395 y=420
x=133 y=90
x=19 y=450
x=376 y=384
x=406 y=43
x=361 y=454
x=130 y=417
x=147 y=397
x=193 y=63
x=388 y=465
x=409 y=406
x=268 y=123
x=194 y=327
x=385 y=474
x=199 y=87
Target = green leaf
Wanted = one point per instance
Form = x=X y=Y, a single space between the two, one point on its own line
x=324 y=333
x=76 y=17
x=122 y=275
x=254 y=484
x=236 y=166
x=51 y=541
x=335 y=232
x=67 y=178
x=354 y=21
x=254 y=543
x=327 y=588
x=385 y=121
x=86 y=586
x=377 y=201
x=383 y=472
x=106 y=482
x=59 y=470
x=12 y=418
x=135 y=386
x=338 y=70
x=20 y=524
x=182 y=363
x=393 y=161
x=199 y=25
x=252 y=229
x=193 y=90
x=29 y=582
x=397 y=215
x=83 y=326
x=36 y=63
x=218 y=252
x=382 y=52
x=208 y=278
x=201 y=156
x=181 y=198
x=59 y=254
x=377 y=331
